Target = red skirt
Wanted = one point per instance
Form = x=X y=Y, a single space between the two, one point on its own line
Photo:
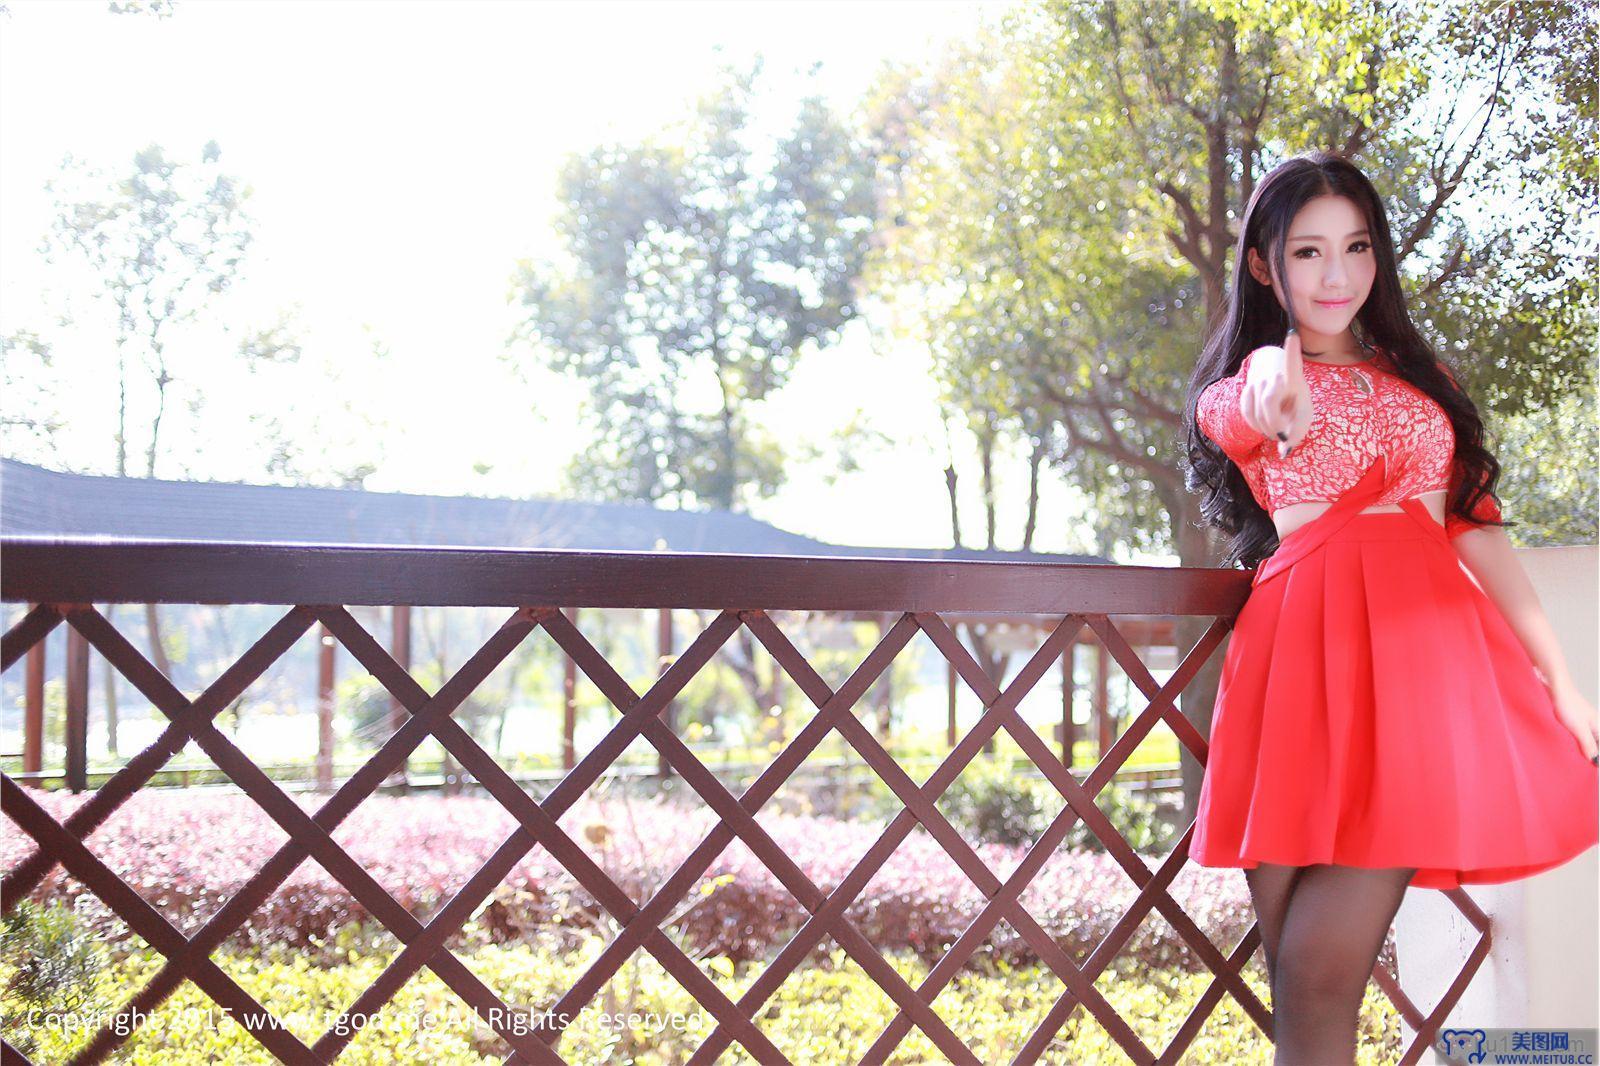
x=1376 y=709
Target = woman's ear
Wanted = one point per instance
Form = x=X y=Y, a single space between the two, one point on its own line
x=1258 y=267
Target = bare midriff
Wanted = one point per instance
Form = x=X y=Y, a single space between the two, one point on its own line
x=1290 y=518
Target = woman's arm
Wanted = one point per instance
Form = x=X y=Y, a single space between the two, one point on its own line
x=1219 y=417
x=1488 y=554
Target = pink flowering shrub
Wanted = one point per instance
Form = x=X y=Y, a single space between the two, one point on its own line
x=187 y=852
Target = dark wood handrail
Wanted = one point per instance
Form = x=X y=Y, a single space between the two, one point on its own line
x=95 y=570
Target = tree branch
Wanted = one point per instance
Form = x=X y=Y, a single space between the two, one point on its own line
x=1113 y=448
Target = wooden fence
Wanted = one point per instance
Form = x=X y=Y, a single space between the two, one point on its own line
x=64 y=578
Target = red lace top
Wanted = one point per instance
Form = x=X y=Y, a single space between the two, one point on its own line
x=1358 y=411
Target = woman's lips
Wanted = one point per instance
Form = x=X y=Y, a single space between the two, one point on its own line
x=1334 y=303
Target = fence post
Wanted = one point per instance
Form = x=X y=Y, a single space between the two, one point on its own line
x=324 y=709
x=33 y=710
x=77 y=710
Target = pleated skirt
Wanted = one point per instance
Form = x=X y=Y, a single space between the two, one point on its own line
x=1376 y=709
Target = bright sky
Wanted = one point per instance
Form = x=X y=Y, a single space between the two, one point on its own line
x=403 y=157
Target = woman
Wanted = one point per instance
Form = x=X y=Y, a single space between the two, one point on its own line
x=1384 y=718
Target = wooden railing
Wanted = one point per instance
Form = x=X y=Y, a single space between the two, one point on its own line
x=63 y=579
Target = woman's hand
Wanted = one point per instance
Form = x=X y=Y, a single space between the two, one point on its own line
x=1274 y=401
x=1577 y=714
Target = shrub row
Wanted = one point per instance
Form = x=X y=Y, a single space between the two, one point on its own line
x=829 y=1011
x=187 y=852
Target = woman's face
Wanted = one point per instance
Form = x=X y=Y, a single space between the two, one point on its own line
x=1329 y=259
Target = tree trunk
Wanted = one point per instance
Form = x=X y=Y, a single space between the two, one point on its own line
x=158 y=653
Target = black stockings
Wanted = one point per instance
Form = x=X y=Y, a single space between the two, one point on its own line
x=1322 y=928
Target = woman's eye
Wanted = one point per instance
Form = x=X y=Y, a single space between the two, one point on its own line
x=1358 y=246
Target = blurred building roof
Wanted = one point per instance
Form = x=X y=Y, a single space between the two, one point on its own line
x=35 y=501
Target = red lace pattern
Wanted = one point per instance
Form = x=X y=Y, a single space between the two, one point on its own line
x=1357 y=412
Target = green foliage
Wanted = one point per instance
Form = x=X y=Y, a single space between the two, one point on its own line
x=362 y=704
x=160 y=9
x=829 y=1011
x=697 y=258
x=1552 y=494
x=55 y=718
x=32 y=378
x=1003 y=802
x=1069 y=184
x=51 y=962
x=162 y=238
x=994 y=802
x=1135 y=817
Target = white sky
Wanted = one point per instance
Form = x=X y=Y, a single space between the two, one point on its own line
x=402 y=157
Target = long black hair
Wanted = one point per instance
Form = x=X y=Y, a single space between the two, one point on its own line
x=1254 y=317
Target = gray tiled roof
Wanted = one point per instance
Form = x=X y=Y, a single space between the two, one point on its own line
x=39 y=502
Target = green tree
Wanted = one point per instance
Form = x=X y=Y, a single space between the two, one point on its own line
x=160 y=241
x=1065 y=209
x=31 y=423
x=701 y=262
x=331 y=435
x=701 y=265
